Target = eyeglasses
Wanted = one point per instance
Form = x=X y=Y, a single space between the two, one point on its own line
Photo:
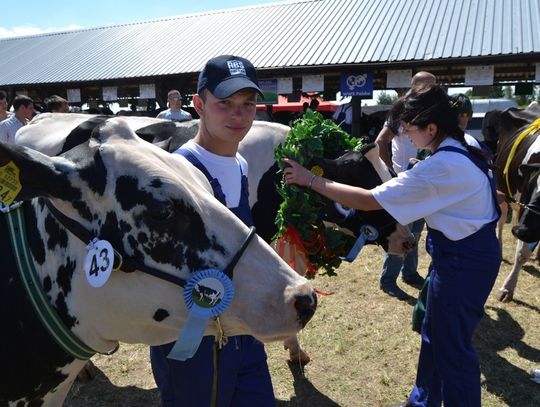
x=409 y=128
x=175 y=98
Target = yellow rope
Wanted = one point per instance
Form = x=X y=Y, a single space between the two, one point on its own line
x=533 y=128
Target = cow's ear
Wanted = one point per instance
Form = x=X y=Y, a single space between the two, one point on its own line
x=528 y=169
x=27 y=173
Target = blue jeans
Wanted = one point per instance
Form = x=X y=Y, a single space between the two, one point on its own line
x=407 y=265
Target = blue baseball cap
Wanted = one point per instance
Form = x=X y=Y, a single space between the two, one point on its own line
x=226 y=75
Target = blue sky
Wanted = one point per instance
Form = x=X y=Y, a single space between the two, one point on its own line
x=27 y=17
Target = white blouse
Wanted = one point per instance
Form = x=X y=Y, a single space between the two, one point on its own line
x=447 y=189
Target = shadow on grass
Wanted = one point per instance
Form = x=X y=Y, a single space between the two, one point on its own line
x=305 y=393
x=508 y=382
x=532 y=270
x=101 y=392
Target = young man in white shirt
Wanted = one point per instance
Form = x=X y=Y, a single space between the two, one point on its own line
x=24 y=111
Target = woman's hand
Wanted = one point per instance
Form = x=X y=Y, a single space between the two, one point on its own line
x=296 y=174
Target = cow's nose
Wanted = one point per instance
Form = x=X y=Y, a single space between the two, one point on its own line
x=305 y=307
x=409 y=244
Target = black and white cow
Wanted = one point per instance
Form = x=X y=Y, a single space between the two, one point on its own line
x=55 y=133
x=158 y=211
x=520 y=181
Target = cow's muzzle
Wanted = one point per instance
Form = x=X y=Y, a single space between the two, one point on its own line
x=305 y=307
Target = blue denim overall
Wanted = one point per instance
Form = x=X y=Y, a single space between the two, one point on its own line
x=243 y=377
x=463 y=275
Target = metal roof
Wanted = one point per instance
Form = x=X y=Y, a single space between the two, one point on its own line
x=295 y=33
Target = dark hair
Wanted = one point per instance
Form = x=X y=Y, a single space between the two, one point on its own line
x=461 y=104
x=3 y=95
x=433 y=105
x=55 y=102
x=21 y=100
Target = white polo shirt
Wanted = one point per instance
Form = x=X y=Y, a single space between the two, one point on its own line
x=447 y=189
x=9 y=127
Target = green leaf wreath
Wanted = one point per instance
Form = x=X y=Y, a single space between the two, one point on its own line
x=300 y=214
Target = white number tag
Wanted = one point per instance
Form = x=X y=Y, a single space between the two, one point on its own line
x=98 y=263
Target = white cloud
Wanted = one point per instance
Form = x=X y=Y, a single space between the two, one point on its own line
x=29 y=30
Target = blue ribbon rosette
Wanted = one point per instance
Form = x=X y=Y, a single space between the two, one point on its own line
x=207 y=294
x=367 y=233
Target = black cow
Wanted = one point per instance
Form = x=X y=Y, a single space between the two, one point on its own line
x=517 y=163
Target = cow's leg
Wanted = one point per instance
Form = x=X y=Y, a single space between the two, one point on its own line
x=87 y=373
x=291 y=256
x=523 y=253
x=296 y=353
x=500 y=224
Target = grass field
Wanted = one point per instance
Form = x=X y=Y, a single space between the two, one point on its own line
x=363 y=350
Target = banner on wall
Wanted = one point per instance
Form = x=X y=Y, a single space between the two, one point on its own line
x=284 y=86
x=110 y=93
x=312 y=83
x=357 y=84
x=269 y=89
x=398 y=78
x=147 y=91
x=479 y=75
x=74 y=95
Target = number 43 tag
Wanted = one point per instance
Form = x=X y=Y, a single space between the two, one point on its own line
x=98 y=263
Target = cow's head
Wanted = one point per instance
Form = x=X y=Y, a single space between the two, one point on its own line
x=157 y=209
x=365 y=169
x=498 y=127
x=528 y=227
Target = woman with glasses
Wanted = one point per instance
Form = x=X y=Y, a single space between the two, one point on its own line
x=454 y=191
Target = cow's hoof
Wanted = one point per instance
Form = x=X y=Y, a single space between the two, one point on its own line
x=87 y=373
x=300 y=357
x=505 y=295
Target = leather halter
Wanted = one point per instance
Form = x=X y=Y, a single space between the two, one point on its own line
x=125 y=263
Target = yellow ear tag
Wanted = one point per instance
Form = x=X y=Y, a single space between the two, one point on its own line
x=10 y=186
x=317 y=170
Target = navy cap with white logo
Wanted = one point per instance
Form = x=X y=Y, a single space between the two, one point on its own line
x=226 y=75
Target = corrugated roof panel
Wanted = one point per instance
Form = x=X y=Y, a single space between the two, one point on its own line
x=294 y=33
x=425 y=49
x=354 y=37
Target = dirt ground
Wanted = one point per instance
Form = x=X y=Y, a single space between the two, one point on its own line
x=363 y=350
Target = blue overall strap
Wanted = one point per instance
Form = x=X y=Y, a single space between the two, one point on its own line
x=482 y=165
x=243 y=211
x=214 y=183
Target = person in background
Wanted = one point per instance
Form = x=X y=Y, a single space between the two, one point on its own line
x=24 y=111
x=4 y=114
x=343 y=117
x=226 y=103
x=403 y=155
x=174 y=112
x=454 y=191
x=463 y=106
x=57 y=104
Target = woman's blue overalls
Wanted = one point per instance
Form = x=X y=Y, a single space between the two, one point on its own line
x=244 y=379
x=463 y=275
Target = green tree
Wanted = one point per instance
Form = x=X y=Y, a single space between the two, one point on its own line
x=386 y=99
x=496 y=92
x=508 y=93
